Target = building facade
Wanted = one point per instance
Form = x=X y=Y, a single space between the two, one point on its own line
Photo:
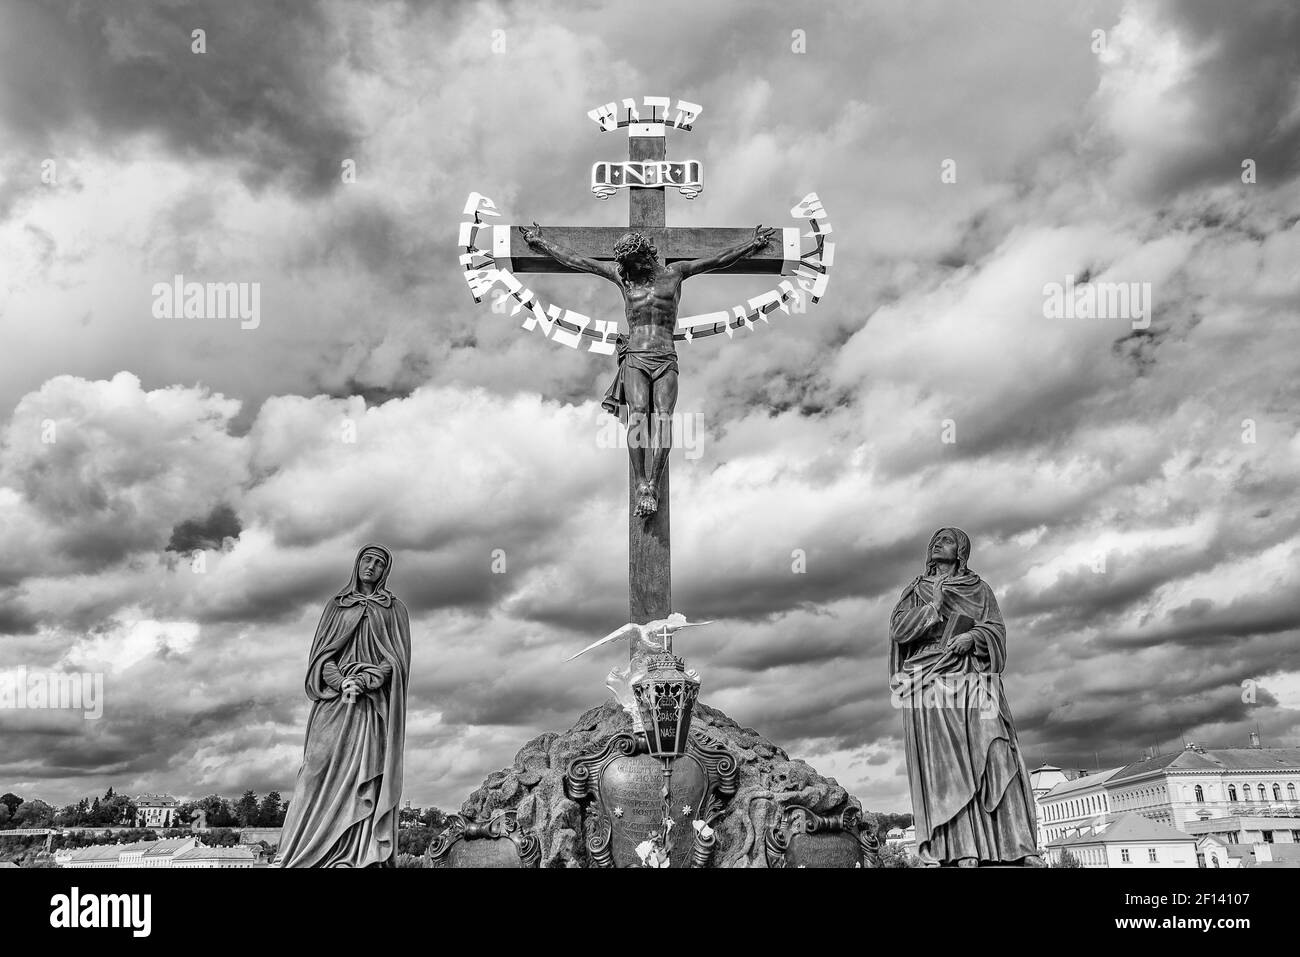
x=174 y=852
x=1130 y=842
x=156 y=810
x=1073 y=804
x=1247 y=829
x=1201 y=784
x=237 y=857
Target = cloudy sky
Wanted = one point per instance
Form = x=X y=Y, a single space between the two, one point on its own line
x=1130 y=491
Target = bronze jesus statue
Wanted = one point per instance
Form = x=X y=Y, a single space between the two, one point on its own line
x=646 y=382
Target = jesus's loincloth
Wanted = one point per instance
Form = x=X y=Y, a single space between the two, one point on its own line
x=653 y=362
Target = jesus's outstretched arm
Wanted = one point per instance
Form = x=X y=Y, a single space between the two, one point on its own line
x=567 y=257
x=692 y=267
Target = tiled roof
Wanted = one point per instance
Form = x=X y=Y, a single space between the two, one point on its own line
x=1256 y=759
x=1280 y=852
x=156 y=800
x=1125 y=828
x=1079 y=784
x=1161 y=762
x=216 y=854
x=166 y=847
x=1265 y=760
x=98 y=852
x=1240 y=850
x=1135 y=827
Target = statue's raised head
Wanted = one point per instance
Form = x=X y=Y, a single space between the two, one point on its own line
x=948 y=545
x=635 y=250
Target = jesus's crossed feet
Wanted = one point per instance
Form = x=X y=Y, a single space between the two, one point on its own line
x=647 y=499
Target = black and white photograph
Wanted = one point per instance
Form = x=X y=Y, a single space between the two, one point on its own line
x=481 y=434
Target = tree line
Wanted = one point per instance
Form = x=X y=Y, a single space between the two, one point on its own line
x=119 y=810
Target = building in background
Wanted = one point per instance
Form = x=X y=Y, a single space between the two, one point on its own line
x=240 y=857
x=904 y=837
x=1073 y=804
x=1245 y=829
x=163 y=853
x=1214 y=852
x=1130 y=841
x=156 y=810
x=1200 y=784
x=174 y=852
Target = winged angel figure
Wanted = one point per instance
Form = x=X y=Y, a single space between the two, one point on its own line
x=652 y=638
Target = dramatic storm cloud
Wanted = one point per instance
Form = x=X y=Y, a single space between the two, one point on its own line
x=179 y=497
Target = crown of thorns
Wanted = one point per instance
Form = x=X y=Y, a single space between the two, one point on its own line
x=631 y=244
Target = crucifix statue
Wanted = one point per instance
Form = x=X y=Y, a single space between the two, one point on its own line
x=647 y=260
x=646 y=382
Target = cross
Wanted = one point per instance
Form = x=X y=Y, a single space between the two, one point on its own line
x=666 y=637
x=648 y=175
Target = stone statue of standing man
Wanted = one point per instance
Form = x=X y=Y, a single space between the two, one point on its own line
x=971 y=798
x=344 y=808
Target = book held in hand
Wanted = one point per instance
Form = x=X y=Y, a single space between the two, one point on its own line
x=956 y=625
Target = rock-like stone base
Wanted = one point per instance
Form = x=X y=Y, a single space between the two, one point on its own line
x=769 y=782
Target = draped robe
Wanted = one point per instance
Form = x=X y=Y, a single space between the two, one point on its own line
x=344 y=808
x=971 y=796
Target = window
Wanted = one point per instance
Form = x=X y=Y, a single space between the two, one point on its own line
x=1262 y=795
x=1200 y=795
x=1245 y=790
x=1151 y=854
x=1123 y=855
x=1268 y=836
x=1232 y=792
x=1200 y=859
x=1290 y=792
x=1277 y=793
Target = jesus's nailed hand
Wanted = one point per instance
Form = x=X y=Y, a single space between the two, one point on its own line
x=532 y=236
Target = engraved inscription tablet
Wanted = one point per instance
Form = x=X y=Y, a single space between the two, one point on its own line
x=839 y=849
x=632 y=803
x=484 y=853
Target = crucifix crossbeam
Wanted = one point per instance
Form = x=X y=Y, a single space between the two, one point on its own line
x=675 y=244
x=648 y=260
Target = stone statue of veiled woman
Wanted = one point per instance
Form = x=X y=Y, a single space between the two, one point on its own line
x=971 y=796
x=344 y=808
